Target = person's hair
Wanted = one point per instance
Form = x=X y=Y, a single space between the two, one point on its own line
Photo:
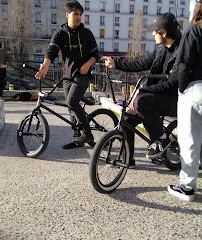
x=0 y=44
x=72 y=5
x=197 y=16
x=171 y=33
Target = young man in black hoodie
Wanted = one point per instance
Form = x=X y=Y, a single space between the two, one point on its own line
x=79 y=51
x=157 y=97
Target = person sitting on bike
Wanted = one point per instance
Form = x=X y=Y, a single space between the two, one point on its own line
x=158 y=97
x=79 y=51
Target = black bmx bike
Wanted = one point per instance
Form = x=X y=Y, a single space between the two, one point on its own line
x=33 y=131
x=110 y=158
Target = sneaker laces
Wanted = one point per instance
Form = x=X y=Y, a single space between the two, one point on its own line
x=155 y=145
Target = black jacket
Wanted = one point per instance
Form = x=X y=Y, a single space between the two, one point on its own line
x=155 y=63
x=76 y=45
x=189 y=57
x=158 y=65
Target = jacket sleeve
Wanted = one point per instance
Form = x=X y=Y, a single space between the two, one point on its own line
x=54 y=46
x=186 y=59
x=139 y=65
x=94 y=52
x=169 y=86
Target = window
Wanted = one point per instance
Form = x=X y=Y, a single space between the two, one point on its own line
x=143 y=47
x=130 y=46
x=132 y=9
x=37 y=3
x=130 y=34
x=172 y=1
x=117 y=22
x=117 y=7
x=53 y=4
x=101 y=46
x=171 y=10
x=181 y=24
x=102 y=33
x=53 y=19
x=102 y=20
x=145 y=10
x=130 y=22
x=158 y=10
x=87 y=5
x=37 y=17
x=4 y=2
x=87 y=19
x=38 y=48
x=4 y=14
x=181 y=12
x=102 y=6
x=38 y=58
x=183 y=2
x=116 y=34
x=159 y=1
x=146 y=0
x=116 y=47
x=38 y=33
x=144 y=22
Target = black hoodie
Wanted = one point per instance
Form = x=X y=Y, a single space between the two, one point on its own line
x=76 y=45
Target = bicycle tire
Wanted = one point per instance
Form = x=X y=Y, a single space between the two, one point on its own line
x=106 y=170
x=171 y=157
x=34 y=143
x=101 y=121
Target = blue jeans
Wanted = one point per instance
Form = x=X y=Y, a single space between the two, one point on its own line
x=190 y=133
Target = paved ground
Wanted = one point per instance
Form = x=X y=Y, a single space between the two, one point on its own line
x=51 y=197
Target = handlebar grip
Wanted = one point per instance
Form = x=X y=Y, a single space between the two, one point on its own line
x=157 y=76
x=98 y=73
x=24 y=65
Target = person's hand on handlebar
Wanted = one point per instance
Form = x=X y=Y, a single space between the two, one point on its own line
x=43 y=69
x=131 y=106
x=109 y=62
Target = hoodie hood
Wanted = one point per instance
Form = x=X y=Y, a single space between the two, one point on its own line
x=67 y=29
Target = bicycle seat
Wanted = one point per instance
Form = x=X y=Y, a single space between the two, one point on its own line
x=88 y=101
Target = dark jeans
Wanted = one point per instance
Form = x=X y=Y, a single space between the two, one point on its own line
x=73 y=92
x=2 y=80
x=148 y=109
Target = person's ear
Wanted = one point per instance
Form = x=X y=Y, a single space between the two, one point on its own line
x=164 y=34
x=67 y=15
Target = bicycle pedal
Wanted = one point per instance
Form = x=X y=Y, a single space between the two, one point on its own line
x=158 y=161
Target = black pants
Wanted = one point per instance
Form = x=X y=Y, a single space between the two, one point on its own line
x=73 y=92
x=2 y=80
x=148 y=109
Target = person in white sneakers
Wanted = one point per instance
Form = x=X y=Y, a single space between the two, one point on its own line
x=189 y=59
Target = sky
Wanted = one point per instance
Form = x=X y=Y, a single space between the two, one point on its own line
x=192 y=4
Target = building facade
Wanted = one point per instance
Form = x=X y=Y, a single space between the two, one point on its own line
x=109 y=20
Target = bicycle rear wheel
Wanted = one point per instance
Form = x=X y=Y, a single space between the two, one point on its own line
x=109 y=162
x=172 y=155
x=34 y=141
x=101 y=121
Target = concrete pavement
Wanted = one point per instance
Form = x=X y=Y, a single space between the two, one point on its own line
x=51 y=197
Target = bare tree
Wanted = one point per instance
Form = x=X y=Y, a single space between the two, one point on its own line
x=18 y=27
x=136 y=35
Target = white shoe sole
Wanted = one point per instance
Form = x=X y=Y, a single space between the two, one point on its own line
x=189 y=198
x=158 y=155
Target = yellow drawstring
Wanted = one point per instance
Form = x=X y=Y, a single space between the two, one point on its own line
x=80 y=45
x=70 y=44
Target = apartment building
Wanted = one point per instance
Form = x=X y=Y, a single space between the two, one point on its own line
x=109 y=20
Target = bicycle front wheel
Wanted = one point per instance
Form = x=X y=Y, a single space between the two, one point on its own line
x=33 y=135
x=101 y=121
x=172 y=154
x=109 y=162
